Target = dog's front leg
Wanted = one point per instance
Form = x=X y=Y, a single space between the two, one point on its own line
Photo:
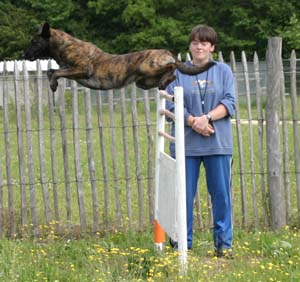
x=52 y=80
x=71 y=73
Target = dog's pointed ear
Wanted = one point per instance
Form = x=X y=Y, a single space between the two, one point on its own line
x=44 y=31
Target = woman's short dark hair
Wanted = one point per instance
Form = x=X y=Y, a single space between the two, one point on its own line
x=203 y=33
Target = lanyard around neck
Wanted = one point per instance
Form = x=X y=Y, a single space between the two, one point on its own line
x=202 y=95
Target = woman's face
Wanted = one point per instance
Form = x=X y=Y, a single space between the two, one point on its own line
x=201 y=51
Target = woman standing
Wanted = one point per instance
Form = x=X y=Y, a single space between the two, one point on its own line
x=209 y=102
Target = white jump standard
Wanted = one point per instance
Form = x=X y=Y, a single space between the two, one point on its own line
x=170 y=191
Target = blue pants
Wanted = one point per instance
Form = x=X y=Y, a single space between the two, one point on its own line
x=218 y=180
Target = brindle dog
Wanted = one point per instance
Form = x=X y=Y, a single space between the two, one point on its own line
x=93 y=68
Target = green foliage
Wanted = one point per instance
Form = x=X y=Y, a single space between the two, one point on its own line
x=127 y=25
x=291 y=32
x=170 y=37
x=15 y=25
x=137 y=25
x=19 y=20
x=53 y=11
x=139 y=14
x=247 y=25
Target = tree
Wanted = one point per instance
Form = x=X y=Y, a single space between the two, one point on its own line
x=142 y=24
x=19 y=20
x=249 y=23
x=53 y=11
x=291 y=32
x=14 y=25
x=121 y=26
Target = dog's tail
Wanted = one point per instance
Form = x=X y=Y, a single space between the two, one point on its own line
x=182 y=67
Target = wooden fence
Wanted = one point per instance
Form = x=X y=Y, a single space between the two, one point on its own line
x=84 y=160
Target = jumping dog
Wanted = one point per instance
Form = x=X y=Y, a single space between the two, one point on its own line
x=96 y=69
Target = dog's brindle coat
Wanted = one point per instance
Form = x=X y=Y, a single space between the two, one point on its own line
x=93 y=68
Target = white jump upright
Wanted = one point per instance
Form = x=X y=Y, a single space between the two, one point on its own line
x=170 y=193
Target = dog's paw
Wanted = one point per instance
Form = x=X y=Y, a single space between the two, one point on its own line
x=164 y=82
x=52 y=80
x=50 y=73
x=53 y=84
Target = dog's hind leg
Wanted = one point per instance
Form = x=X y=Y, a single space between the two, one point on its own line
x=165 y=80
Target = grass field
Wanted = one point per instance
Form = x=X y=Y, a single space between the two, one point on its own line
x=130 y=256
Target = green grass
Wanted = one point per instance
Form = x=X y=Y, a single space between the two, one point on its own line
x=121 y=183
x=130 y=256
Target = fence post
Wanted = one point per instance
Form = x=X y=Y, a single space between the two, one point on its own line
x=293 y=63
x=274 y=163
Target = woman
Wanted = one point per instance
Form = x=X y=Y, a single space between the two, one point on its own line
x=209 y=102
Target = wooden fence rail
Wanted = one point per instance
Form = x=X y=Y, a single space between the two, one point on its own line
x=84 y=160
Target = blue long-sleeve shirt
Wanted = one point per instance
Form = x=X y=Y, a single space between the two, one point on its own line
x=219 y=90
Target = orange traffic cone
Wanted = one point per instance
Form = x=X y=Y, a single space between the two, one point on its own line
x=159 y=236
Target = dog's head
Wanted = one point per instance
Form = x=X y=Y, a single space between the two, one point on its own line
x=39 y=47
